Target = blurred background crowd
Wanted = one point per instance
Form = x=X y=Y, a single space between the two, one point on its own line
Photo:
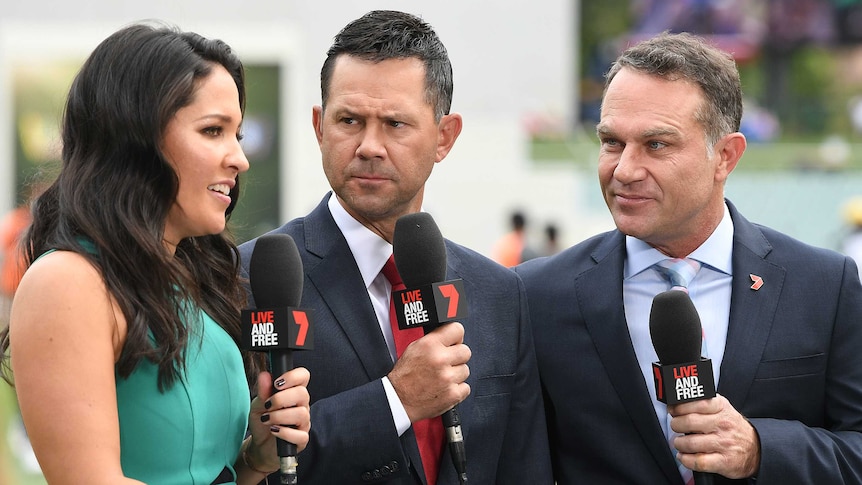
x=528 y=80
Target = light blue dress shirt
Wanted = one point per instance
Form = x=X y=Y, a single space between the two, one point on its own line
x=709 y=290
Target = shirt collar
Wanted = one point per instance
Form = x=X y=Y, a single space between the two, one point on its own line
x=716 y=252
x=370 y=251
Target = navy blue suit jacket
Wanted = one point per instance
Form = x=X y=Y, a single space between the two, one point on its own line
x=353 y=437
x=792 y=365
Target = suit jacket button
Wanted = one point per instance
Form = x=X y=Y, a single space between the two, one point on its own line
x=393 y=466
x=366 y=477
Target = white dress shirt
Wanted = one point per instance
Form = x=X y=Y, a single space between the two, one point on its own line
x=370 y=251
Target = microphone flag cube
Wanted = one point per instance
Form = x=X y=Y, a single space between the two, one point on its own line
x=277 y=328
x=430 y=304
x=679 y=383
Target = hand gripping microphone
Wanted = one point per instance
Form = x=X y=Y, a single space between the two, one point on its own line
x=681 y=374
x=276 y=325
x=429 y=300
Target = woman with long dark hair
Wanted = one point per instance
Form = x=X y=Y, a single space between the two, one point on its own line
x=123 y=335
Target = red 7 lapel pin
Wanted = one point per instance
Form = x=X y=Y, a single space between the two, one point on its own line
x=756 y=281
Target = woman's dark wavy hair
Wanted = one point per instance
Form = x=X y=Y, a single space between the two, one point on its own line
x=115 y=189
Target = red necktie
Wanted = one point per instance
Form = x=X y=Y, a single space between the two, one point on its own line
x=429 y=432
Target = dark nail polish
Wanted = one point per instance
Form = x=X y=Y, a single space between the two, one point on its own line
x=264 y=418
x=267 y=404
x=279 y=383
x=274 y=429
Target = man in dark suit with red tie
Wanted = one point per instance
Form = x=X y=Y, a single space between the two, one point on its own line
x=781 y=319
x=383 y=124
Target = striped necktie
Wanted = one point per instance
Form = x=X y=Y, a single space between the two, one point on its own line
x=678 y=272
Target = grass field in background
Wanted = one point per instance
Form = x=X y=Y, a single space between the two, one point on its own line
x=11 y=470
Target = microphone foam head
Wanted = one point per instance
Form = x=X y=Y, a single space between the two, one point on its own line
x=275 y=272
x=419 y=250
x=674 y=328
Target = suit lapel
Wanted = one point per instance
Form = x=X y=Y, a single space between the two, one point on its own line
x=752 y=311
x=607 y=326
x=336 y=278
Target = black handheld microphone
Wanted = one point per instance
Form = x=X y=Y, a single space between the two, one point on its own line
x=428 y=300
x=681 y=374
x=275 y=325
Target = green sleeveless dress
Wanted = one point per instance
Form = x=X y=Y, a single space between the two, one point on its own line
x=188 y=434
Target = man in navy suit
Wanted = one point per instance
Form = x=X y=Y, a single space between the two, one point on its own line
x=383 y=124
x=782 y=321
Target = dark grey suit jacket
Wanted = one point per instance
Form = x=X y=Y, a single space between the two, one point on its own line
x=792 y=365
x=353 y=437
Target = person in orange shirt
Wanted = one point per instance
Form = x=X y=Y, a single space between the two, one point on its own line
x=12 y=227
x=12 y=263
x=512 y=249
